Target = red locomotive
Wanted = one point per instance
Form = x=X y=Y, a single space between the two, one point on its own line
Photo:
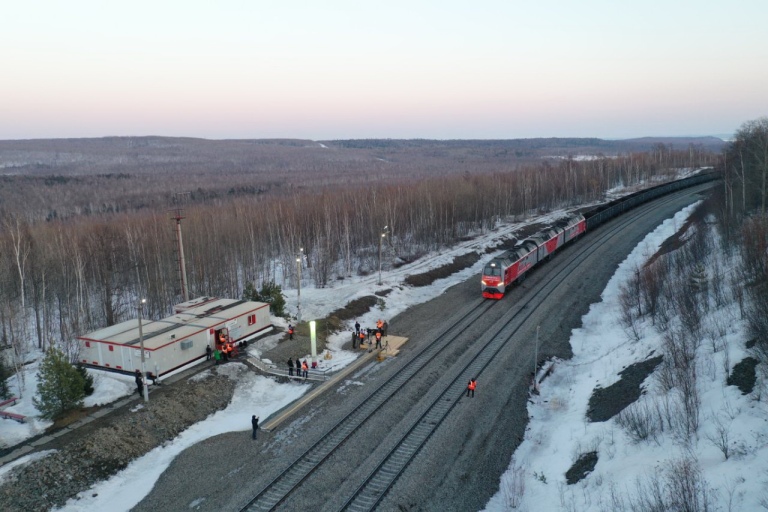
x=512 y=266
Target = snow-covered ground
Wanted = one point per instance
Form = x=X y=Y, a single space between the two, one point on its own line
x=558 y=431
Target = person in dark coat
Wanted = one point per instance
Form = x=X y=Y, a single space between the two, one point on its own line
x=255 y=425
x=139 y=383
x=208 y=352
x=357 y=327
x=290 y=367
x=298 y=367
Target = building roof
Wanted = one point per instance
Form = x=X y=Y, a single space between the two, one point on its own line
x=196 y=316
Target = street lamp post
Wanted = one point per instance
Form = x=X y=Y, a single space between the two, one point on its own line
x=298 y=297
x=381 y=239
x=141 y=346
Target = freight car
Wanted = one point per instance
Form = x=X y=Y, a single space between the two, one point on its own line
x=511 y=267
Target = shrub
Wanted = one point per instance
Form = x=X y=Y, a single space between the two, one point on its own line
x=639 y=421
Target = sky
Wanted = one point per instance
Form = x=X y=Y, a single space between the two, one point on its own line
x=557 y=431
x=397 y=69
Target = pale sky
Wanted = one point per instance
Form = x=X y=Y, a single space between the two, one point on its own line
x=337 y=69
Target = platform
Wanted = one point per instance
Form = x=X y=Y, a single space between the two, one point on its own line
x=390 y=347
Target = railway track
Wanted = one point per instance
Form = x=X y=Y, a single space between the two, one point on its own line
x=375 y=486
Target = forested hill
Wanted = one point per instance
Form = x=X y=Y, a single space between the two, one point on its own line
x=59 y=178
x=541 y=147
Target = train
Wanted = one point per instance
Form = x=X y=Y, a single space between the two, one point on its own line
x=512 y=266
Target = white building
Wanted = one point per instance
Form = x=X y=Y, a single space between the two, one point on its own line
x=177 y=340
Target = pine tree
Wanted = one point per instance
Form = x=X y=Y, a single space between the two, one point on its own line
x=250 y=293
x=87 y=380
x=60 y=386
x=272 y=294
x=4 y=374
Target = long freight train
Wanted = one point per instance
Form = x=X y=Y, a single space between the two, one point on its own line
x=511 y=267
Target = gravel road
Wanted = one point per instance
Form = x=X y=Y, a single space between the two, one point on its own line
x=459 y=467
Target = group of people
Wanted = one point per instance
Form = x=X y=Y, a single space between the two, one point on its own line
x=361 y=335
x=224 y=351
x=302 y=367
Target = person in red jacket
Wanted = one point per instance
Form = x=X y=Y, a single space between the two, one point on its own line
x=305 y=368
x=471 y=387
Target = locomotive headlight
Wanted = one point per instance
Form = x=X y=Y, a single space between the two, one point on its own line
x=483 y=281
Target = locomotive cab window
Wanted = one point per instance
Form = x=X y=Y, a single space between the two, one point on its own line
x=492 y=271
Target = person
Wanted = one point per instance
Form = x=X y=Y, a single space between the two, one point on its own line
x=357 y=327
x=290 y=367
x=354 y=340
x=362 y=338
x=208 y=352
x=217 y=356
x=314 y=365
x=151 y=376
x=379 y=324
x=378 y=339
x=290 y=331
x=139 y=383
x=471 y=387
x=255 y=425
x=304 y=369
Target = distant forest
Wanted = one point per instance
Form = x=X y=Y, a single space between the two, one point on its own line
x=61 y=178
x=86 y=229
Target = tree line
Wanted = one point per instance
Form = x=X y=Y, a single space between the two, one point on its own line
x=743 y=202
x=65 y=277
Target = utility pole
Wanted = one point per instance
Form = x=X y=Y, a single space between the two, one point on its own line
x=182 y=262
x=141 y=346
x=381 y=239
x=298 y=297
x=536 y=352
x=535 y=361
